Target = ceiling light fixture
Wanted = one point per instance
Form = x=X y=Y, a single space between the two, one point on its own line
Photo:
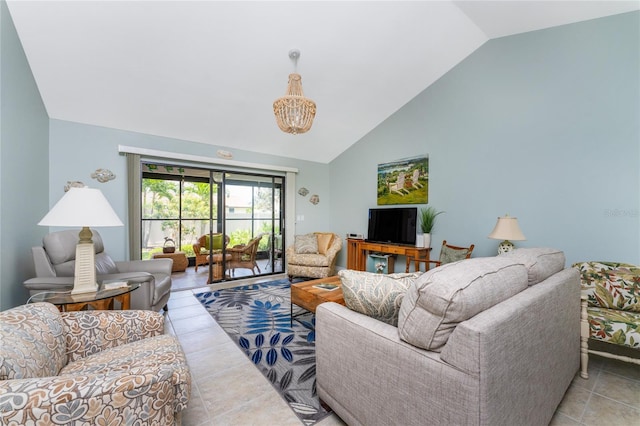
x=294 y=113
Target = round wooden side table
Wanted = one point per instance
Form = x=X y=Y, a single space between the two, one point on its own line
x=101 y=300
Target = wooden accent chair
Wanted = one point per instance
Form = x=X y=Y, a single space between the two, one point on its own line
x=202 y=250
x=244 y=255
x=448 y=254
x=610 y=312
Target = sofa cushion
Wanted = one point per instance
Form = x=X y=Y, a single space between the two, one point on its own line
x=540 y=262
x=614 y=326
x=445 y=296
x=376 y=295
x=105 y=265
x=31 y=342
x=312 y=260
x=306 y=244
x=160 y=350
x=324 y=241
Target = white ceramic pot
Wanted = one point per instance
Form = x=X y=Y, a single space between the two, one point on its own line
x=426 y=243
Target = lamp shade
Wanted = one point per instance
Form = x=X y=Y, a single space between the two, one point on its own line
x=85 y=207
x=507 y=228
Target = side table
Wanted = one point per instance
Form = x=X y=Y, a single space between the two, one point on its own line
x=179 y=258
x=216 y=261
x=100 y=300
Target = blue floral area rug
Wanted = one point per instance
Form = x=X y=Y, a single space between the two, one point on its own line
x=258 y=318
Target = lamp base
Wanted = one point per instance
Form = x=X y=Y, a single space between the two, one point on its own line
x=85 y=273
x=505 y=247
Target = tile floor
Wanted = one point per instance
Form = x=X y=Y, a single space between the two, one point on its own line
x=229 y=390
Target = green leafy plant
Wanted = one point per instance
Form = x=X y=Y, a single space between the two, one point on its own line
x=428 y=218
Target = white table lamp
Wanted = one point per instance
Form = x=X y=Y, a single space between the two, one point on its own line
x=506 y=229
x=83 y=207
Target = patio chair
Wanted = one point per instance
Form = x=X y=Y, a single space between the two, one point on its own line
x=244 y=255
x=202 y=248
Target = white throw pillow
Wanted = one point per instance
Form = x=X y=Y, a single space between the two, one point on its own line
x=306 y=244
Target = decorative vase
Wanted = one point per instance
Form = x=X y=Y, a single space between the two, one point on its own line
x=426 y=243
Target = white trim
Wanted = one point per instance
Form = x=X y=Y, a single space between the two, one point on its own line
x=199 y=159
x=289 y=212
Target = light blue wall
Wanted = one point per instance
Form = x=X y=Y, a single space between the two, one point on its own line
x=24 y=166
x=543 y=126
x=77 y=150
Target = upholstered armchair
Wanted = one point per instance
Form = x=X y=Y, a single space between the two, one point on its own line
x=55 y=266
x=207 y=244
x=89 y=367
x=313 y=255
x=610 y=309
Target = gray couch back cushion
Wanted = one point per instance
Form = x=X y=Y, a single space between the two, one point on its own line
x=455 y=292
x=541 y=262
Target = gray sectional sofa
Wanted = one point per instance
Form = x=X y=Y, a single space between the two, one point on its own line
x=485 y=341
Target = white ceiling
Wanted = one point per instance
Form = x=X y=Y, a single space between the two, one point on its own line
x=209 y=71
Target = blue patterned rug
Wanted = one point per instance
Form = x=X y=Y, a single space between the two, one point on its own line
x=257 y=317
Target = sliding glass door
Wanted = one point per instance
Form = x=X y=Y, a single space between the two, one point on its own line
x=184 y=205
x=254 y=208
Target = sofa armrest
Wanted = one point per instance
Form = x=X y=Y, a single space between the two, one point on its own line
x=41 y=262
x=86 y=398
x=290 y=251
x=38 y=285
x=89 y=332
x=152 y=266
x=335 y=247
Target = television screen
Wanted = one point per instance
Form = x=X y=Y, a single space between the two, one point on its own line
x=393 y=225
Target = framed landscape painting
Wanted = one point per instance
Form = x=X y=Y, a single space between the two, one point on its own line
x=404 y=181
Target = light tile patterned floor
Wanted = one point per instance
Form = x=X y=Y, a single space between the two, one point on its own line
x=229 y=390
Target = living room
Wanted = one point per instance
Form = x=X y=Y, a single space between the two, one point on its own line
x=542 y=125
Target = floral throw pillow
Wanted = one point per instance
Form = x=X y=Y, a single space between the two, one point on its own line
x=306 y=244
x=376 y=295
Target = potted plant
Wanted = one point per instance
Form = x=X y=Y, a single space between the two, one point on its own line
x=427 y=221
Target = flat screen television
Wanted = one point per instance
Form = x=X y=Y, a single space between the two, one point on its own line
x=393 y=225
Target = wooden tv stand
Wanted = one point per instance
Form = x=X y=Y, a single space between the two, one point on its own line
x=358 y=250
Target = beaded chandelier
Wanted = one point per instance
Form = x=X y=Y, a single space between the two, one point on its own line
x=294 y=113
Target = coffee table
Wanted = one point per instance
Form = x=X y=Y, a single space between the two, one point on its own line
x=100 y=300
x=306 y=295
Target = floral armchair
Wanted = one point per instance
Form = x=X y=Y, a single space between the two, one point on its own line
x=89 y=367
x=610 y=308
x=313 y=255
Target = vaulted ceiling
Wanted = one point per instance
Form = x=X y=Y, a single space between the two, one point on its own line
x=209 y=71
